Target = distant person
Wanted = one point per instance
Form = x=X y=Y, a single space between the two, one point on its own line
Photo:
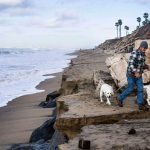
x=135 y=68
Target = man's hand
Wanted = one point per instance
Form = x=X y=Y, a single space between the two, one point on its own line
x=137 y=75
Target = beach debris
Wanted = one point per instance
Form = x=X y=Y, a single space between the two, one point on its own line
x=132 y=131
x=84 y=144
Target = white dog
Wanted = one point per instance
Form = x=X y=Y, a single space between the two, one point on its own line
x=105 y=89
x=147 y=88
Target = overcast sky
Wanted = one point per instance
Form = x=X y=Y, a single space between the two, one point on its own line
x=65 y=24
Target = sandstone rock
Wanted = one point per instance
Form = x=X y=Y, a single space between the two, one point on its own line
x=117 y=65
x=78 y=110
x=78 y=107
x=101 y=75
x=96 y=77
x=146 y=76
x=68 y=85
x=79 y=75
x=114 y=136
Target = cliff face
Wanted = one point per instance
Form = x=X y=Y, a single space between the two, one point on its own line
x=124 y=44
x=79 y=106
x=78 y=76
x=143 y=32
x=78 y=91
x=114 y=136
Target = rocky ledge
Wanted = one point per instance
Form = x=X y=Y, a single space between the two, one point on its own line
x=125 y=135
x=79 y=104
x=78 y=110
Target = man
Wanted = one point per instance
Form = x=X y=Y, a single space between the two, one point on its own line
x=135 y=68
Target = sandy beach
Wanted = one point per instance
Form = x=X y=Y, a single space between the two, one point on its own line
x=22 y=115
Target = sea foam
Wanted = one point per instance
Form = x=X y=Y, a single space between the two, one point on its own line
x=22 y=69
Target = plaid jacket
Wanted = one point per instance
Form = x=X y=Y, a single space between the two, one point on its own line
x=136 y=62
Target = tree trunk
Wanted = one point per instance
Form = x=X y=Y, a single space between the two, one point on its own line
x=120 y=31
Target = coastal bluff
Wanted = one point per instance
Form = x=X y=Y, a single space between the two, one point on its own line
x=81 y=115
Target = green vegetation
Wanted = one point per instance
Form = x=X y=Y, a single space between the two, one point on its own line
x=120 y=24
x=146 y=21
x=127 y=29
x=139 y=21
x=117 y=24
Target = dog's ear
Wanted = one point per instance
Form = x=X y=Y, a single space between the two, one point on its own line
x=112 y=93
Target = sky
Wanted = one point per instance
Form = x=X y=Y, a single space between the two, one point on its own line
x=65 y=24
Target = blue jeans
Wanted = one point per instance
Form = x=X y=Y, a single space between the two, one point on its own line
x=132 y=81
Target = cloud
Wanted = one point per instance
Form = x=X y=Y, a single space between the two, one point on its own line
x=4 y=23
x=5 y=4
x=10 y=2
x=142 y=1
x=66 y=16
x=21 y=12
x=64 y=19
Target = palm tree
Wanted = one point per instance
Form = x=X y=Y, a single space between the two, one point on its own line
x=144 y=23
x=116 y=24
x=120 y=23
x=146 y=15
x=126 y=28
x=139 y=20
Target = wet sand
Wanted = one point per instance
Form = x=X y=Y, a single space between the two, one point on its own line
x=22 y=115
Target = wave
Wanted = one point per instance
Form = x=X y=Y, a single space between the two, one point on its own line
x=15 y=51
x=4 y=52
x=22 y=69
x=9 y=51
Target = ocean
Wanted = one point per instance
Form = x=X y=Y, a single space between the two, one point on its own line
x=21 y=70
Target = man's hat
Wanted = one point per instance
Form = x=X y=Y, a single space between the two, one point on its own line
x=144 y=44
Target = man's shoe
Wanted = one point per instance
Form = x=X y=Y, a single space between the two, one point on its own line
x=144 y=108
x=120 y=104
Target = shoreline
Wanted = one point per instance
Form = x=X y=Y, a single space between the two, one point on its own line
x=34 y=89
x=22 y=115
x=28 y=86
